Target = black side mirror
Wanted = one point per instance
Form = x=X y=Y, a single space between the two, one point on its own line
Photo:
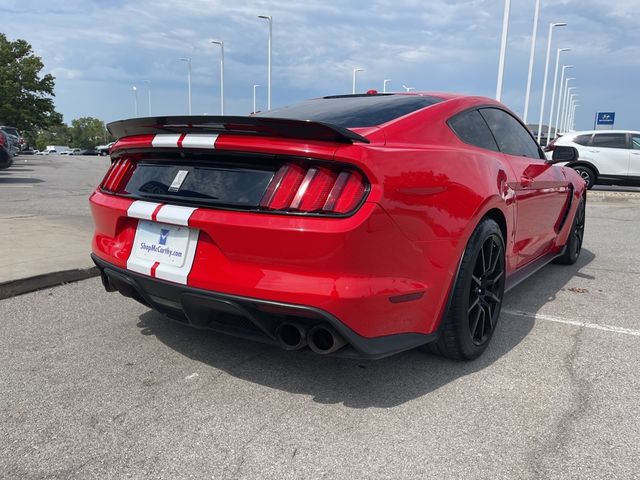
x=563 y=153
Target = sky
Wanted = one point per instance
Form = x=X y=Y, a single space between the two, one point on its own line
x=99 y=50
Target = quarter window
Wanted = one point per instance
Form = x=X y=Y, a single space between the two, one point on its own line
x=609 y=140
x=635 y=142
x=512 y=137
x=471 y=128
x=582 y=139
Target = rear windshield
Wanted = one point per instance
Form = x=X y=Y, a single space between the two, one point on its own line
x=352 y=111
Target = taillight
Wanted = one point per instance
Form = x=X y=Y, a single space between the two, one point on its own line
x=117 y=176
x=314 y=189
x=2 y=140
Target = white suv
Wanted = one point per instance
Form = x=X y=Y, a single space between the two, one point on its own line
x=607 y=157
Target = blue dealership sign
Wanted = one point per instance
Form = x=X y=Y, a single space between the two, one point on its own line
x=605 y=118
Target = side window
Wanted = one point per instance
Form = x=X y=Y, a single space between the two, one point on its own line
x=635 y=142
x=582 y=139
x=609 y=140
x=512 y=137
x=471 y=128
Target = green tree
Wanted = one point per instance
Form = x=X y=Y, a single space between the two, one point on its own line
x=56 y=135
x=26 y=97
x=87 y=132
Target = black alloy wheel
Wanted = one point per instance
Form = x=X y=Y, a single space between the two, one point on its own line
x=576 y=237
x=474 y=307
x=487 y=289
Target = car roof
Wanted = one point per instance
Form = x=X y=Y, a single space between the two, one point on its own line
x=591 y=132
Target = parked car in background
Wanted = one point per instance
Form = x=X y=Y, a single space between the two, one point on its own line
x=354 y=225
x=7 y=150
x=14 y=131
x=104 y=149
x=73 y=151
x=88 y=151
x=606 y=157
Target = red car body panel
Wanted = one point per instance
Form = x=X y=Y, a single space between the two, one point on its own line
x=388 y=268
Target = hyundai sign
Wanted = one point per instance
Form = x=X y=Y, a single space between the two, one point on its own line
x=605 y=118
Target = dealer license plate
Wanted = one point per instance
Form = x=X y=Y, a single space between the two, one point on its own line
x=160 y=242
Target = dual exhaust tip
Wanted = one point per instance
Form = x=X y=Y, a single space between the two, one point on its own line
x=321 y=339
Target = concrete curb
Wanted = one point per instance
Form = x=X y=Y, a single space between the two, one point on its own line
x=47 y=280
x=613 y=197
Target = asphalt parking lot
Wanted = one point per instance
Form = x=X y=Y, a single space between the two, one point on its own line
x=97 y=386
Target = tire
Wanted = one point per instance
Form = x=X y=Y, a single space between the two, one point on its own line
x=587 y=174
x=574 y=244
x=470 y=320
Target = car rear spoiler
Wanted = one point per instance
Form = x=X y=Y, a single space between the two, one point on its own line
x=264 y=126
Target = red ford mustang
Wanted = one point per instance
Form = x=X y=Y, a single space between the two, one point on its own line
x=354 y=225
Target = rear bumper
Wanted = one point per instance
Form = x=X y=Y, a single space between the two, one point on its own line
x=245 y=317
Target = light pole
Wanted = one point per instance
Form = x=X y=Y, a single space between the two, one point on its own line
x=573 y=116
x=384 y=85
x=135 y=100
x=569 y=108
x=563 y=124
x=355 y=70
x=221 y=43
x=563 y=105
x=254 y=97
x=268 y=17
x=503 y=48
x=407 y=89
x=188 y=60
x=531 y=55
x=148 y=95
x=562 y=87
x=546 y=71
x=553 y=94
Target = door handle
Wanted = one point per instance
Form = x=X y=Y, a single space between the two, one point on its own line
x=594 y=151
x=635 y=153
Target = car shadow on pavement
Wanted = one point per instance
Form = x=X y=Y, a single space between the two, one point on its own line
x=18 y=180
x=384 y=383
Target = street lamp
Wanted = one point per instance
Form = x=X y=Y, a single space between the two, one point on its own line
x=503 y=48
x=355 y=70
x=555 y=83
x=268 y=17
x=573 y=116
x=546 y=71
x=221 y=43
x=531 y=55
x=384 y=85
x=569 y=108
x=562 y=87
x=563 y=124
x=188 y=60
x=135 y=100
x=148 y=95
x=254 y=98
x=407 y=89
x=561 y=107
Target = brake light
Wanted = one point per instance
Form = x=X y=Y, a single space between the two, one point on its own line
x=315 y=189
x=117 y=176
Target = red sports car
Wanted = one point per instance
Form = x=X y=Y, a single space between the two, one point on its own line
x=353 y=225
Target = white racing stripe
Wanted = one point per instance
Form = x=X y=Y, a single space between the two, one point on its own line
x=180 y=274
x=166 y=140
x=199 y=140
x=141 y=209
x=175 y=214
x=172 y=214
x=594 y=326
